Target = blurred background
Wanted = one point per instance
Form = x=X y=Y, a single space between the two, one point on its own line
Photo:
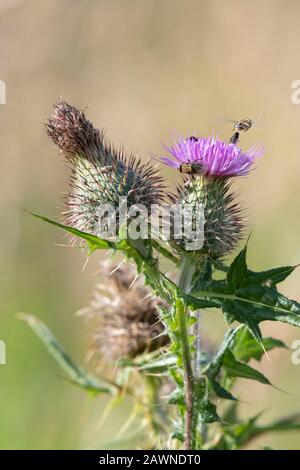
x=145 y=70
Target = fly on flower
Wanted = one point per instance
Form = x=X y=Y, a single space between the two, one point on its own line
x=191 y=168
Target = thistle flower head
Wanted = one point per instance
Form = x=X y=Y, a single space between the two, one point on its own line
x=223 y=218
x=100 y=174
x=217 y=158
x=125 y=321
x=73 y=133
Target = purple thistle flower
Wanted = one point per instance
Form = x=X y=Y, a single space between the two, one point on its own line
x=218 y=158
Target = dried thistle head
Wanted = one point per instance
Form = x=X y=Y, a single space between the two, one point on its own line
x=124 y=319
x=73 y=133
x=100 y=174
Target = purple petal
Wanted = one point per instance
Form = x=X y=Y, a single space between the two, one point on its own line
x=218 y=158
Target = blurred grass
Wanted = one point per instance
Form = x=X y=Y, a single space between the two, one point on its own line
x=146 y=70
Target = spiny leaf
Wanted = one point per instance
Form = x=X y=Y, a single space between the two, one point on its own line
x=75 y=373
x=287 y=423
x=150 y=365
x=94 y=242
x=212 y=371
x=178 y=433
x=239 y=275
x=235 y=436
x=215 y=363
x=238 y=369
x=237 y=272
x=159 y=365
x=239 y=434
x=220 y=391
x=246 y=297
x=224 y=360
x=176 y=397
x=245 y=347
x=206 y=410
x=274 y=276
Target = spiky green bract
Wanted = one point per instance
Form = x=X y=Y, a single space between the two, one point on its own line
x=93 y=186
x=100 y=174
x=223 y=220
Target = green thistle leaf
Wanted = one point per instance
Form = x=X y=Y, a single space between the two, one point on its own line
x=75 y=374
x=208 y=412
x=237 y=272
x=226 y=361
x=176 y=397
x=213 y=369
x=250 y=298
x=240 y=433
x=149 y=365
x=272 y=276
x=94 y=242
x=235 y=368
x=245 y=347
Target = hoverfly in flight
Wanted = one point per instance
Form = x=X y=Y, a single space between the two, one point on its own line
x=240 y=126
x=243 y=125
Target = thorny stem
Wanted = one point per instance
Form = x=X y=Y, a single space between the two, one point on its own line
x=190 y=418
x=188 y=375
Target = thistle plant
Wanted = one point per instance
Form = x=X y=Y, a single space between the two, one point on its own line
x=145 y=325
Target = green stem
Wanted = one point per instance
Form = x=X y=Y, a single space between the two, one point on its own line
x=189 y=441
x=154 y=411
x=197 y=354
x=186 y=274
x=181 y=310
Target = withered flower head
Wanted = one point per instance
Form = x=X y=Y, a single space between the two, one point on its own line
x=73 y=133
x=125 y=322
x=100 y=174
